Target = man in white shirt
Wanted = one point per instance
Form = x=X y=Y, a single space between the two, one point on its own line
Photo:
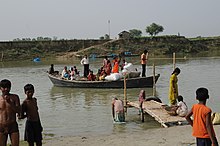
x=85 y=63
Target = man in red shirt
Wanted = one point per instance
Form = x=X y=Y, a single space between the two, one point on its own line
x=144 y=58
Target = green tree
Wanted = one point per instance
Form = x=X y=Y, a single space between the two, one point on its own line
x=135 y=33
x=26 y=39
x=40 y=38
x=55 y=38
x=106 y=37
x=17 y=39
x=102 y=38
x=47 y=39
x=154 y=29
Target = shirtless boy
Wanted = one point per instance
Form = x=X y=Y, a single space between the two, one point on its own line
x=9 y=107
x=33 y=128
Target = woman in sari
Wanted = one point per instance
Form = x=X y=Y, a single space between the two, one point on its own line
x=108 y=67
x=173 y=89
x=116 y=62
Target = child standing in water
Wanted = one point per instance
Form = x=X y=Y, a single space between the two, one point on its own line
x=33 y=128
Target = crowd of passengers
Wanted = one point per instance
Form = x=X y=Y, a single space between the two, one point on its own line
x=105 y=70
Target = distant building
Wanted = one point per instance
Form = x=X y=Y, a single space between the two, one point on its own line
x=124 y=35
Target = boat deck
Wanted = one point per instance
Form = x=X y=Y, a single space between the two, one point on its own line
x=158 y=112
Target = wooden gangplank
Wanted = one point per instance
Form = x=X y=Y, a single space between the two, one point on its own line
x=158 y=112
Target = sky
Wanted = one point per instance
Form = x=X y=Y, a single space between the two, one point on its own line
x=91 y=19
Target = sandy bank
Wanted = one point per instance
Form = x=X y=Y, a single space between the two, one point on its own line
x=173 y=136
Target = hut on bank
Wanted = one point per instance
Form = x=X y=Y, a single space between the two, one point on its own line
x=124 y=35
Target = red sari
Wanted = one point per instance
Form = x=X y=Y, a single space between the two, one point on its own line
x=108 y=68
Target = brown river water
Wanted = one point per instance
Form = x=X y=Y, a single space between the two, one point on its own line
x=69 y=112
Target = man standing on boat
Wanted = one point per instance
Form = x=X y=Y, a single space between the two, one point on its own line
x=85 y=63
x=144 y=58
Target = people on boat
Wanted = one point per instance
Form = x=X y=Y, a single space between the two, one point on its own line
x=123 y=64
x=102 y=70
x=105 y=62
x=182 y=108
x=98 y=74
x=72 y=73
x=91 y=76
x=173 y=88
x=85 y=63
x=116 y=62
x=76 y=72
x=51 y=70
x=144 y=58
x=118 y=110
x=108 y=67
x=102 y=75
x=65 y=73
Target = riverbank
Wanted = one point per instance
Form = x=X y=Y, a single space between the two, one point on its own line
x=178 y=136
x=158 y=45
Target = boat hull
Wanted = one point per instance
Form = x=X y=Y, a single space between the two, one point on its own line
x=139 y=82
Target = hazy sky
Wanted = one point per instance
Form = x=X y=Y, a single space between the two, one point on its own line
x=86 y=19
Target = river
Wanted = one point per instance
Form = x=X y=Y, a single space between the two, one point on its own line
x=69 y=112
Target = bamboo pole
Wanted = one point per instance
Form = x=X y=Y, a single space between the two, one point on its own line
x=154 y=80
x=174 y=60
x=125 y=95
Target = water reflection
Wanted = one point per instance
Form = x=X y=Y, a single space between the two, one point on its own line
x=95 y=96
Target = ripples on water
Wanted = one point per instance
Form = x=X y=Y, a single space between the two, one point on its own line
x=67 y=111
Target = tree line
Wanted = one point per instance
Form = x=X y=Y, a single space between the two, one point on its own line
x=153 y=29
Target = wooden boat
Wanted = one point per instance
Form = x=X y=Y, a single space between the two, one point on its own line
x=138 y=82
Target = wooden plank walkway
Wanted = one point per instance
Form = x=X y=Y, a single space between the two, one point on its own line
x=157 y=111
